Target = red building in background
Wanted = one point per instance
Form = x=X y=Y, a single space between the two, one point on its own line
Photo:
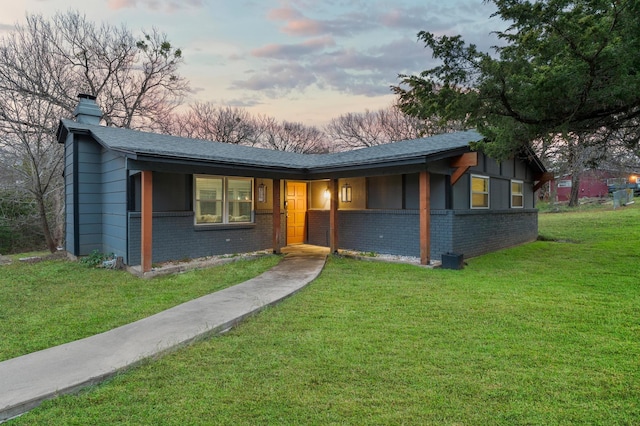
x=593 y=183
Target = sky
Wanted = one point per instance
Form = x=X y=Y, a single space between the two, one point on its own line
x=297 y=60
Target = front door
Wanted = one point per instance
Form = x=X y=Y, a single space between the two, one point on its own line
x=296 y=212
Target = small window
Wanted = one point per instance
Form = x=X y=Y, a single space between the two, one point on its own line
x=479 y=192
x=517 y=196
x=564 y=184
x=222 y=200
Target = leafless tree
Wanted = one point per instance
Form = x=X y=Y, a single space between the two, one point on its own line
x=45 y=63
x=204 y=120
x=360 y=130
x=31 y=156
x=572 y=154
x=291 y=137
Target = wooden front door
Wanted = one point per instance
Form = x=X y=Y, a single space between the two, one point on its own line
x=296 y=212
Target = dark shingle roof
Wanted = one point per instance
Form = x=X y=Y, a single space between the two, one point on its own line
x=144 y=144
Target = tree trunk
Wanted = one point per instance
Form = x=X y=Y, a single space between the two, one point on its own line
x=575 y=190
x=42 y=209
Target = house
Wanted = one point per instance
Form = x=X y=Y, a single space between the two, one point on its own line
x=151 y=198
x=593 y=184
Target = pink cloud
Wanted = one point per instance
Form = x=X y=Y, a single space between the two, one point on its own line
x=303 y=27
x=295 y=22
x=120 y=4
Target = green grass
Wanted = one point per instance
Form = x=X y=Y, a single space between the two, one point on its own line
x=544 y=333
x=53 y=302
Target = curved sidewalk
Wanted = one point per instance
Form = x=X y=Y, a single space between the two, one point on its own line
x=28 y=380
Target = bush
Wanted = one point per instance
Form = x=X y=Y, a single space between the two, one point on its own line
x=96 y=258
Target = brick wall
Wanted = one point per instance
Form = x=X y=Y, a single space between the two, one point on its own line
x=480 y=232
x=383 y=231
x=175 y=237
x=318 y=227
x=470 y=233
x=441 y=235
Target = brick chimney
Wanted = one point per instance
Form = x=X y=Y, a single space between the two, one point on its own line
x=87 y=111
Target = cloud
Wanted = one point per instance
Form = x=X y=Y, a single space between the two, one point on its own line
x=305 y=27
x=283 y=14
x=165 y=5
x=367 y=72
x=362 y=48
x=293 y=51
x=6 y=28
x=246 y=102
x=278 y=79
x=298 y=24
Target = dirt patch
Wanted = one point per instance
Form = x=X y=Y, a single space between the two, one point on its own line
x=557 y=240
x=58 y=255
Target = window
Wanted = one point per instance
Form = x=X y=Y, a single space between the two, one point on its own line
x=517 y=197
x=223 y=199
x=479 y=192
x=564 y=184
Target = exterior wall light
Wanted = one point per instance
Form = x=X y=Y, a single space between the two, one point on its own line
x=327 y=194
x=346 y=193
x=262 y=193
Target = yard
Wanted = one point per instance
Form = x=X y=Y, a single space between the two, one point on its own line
x=544 y=333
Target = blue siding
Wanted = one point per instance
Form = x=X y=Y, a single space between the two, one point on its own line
x=68 y=194
x=88 y=197
x=114 y=204
x=100 y=200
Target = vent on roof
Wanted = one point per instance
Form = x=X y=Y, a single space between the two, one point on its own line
x=87 y=111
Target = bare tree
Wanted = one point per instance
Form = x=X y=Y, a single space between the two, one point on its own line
x=204 y=120
x=291 y=137
x=45 y=63
x=572 y=154
x=360 y=130
x=31 y=156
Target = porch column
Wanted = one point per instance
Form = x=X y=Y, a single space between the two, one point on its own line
x=277 y=225
x=425 y=218
x=146 y=220
x=333 y=216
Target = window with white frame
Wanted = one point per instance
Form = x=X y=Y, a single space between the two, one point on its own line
x=517 y=195
x=222 y=199
x=479 y=192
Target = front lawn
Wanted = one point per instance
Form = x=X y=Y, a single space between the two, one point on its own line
x=53 y=302
x=544 y=333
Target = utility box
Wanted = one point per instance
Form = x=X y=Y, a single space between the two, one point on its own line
x=452 y=261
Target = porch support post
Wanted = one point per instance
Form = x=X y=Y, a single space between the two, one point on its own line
x=277 y=222
x=333 y=216
x=425 y=218
x=146 y=218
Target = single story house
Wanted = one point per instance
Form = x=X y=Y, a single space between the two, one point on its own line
x=152 y=198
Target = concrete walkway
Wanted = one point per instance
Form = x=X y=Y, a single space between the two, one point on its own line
x=28 y=380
